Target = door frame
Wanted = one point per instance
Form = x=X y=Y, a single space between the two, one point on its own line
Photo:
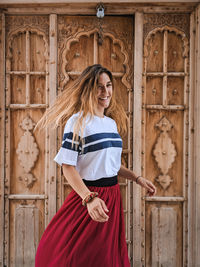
x=138 y=223
x=2 y=135
x=194 y=144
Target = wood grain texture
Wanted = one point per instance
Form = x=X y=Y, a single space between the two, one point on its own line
x=191 y=169
x=175 y=55
x=90 y=9
x=164 y=233
x=164 y=227
x=92 y=1
x=197 y=140
x=52 y=207
x=25 y=228
x=2 y=133
x=138 y=222
x=26 y=235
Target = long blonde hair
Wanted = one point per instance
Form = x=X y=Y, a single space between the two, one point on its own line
x=81 y=97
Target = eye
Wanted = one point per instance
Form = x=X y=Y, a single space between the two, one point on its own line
x=100 y=87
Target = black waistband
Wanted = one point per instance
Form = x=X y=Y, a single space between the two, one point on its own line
x=108 y=181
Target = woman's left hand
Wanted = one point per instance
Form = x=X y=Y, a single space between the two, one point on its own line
x=149 y=186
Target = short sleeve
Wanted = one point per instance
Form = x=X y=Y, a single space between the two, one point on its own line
x=68 y=153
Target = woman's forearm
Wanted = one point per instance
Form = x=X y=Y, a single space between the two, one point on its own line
x=97 y=208
x=75 y=180
x=126 y=173
x=148 y=185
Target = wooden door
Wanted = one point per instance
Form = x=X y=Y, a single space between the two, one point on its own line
x=26 y=158
x=165 y=138
x=84 y=41
x=33 y=188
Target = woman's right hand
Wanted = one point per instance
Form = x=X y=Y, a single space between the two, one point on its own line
x=97 y=210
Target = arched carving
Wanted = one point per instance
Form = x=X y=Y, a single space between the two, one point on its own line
x=76 y=38
x=14 y=33
x=170 y=29
x=126 y=57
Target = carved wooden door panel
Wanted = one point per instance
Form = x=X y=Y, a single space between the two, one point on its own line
x=84 y=41
x=26 y=98
x=165 y=139
x=33 y=188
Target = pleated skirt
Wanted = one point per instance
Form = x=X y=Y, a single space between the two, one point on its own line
x=73 y=239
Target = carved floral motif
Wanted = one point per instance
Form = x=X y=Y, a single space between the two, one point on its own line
x=179 y=21
x=74 y=29
x=66 y=30
x=164 y=152
x=18 y=22
x=27 y=151
x=71 y=33
x=76 y=38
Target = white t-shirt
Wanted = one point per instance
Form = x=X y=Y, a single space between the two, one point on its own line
x=100 y=154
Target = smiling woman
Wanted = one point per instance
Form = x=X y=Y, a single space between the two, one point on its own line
x=104 y=94
x=92 y=215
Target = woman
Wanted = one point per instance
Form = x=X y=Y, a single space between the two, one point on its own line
x=88 y=230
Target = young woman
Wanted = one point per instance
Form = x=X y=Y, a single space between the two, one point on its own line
x=88 y=230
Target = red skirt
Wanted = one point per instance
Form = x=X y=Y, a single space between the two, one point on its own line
x=73 y=239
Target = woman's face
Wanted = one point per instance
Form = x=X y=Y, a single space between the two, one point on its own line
x=104 y=92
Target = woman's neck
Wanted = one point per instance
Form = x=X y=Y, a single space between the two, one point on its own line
x=99 y=113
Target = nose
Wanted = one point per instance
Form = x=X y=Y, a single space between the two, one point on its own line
x=104 y=89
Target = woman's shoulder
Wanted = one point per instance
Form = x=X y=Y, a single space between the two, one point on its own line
x=73 y=117
x=92 y=123
x=70 y=122
x=110 y=119
x=100 y=124
x=102 y=120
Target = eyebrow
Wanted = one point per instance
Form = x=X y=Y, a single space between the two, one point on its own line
x=106 y=83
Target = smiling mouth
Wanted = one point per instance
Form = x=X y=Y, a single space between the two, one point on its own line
x=103 y=98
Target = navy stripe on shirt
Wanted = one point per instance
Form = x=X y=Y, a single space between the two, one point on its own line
x=69 y=146
x=99 y=136
x=68 y=136
x=102 y=145
x=93 y=137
